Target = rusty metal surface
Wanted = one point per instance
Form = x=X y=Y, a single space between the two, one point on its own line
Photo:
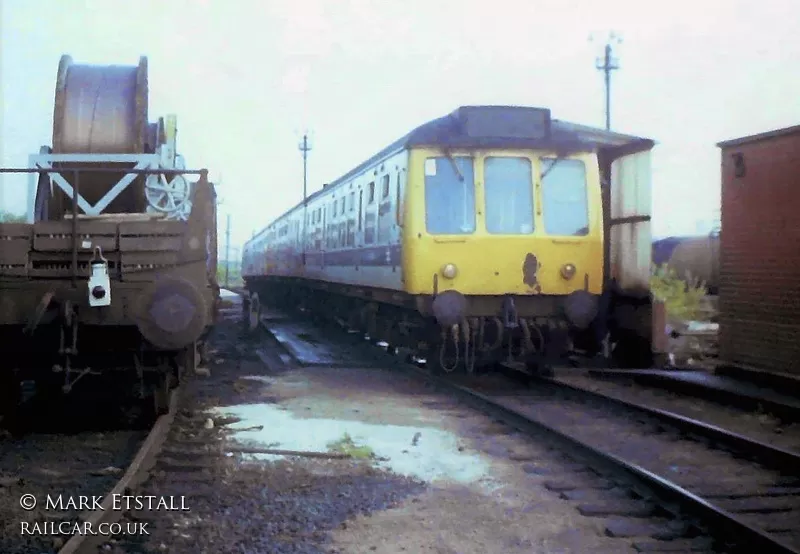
x=759 y=292
x=100 y=109
x=171 y=313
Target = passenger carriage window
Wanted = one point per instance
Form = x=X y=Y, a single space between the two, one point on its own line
x=385 y=186
x=360 y=207
x=508 y=187
x=449 y=196
x=564 y=197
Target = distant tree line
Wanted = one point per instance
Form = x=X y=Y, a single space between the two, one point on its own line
x=234 y=274
x=8 y=217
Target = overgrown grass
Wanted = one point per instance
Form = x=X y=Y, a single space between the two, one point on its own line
x=346 y=445
x=683 y=298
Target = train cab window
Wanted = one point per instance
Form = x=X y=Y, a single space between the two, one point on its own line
x=371 y=197
x=508 y=186
x=449 y=195
x=385 y=187
x=564 y=197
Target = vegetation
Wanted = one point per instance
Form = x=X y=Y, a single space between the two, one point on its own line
x=234 y=275
x=683 y=299
x=8 y=217
x=345 y=445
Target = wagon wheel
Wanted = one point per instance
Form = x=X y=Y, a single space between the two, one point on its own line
x=161 y=391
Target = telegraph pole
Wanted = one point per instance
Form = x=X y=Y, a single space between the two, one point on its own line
x=305 y=147
x=227 y=248
x=608 y=63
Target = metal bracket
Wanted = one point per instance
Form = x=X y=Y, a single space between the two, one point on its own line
x=46 y=161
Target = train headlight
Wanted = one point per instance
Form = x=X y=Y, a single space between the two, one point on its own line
x=449 y=271
x=568 y=271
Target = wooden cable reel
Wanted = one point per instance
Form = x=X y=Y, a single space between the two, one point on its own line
x=98 y=110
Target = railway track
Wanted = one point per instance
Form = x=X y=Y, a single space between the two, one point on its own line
x=741 y=491
x=57 y=478
x=666 y=476
x=109 y=514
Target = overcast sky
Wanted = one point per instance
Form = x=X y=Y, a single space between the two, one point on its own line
x=246 y=77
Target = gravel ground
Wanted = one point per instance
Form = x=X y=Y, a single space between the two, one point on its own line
x=733 y=484
x=763 y=427
x=237 y=504
x=61 y=466
x=483 y=483
x=428 y=475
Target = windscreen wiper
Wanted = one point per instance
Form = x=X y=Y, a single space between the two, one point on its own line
x=452 y=161
x=552 y=165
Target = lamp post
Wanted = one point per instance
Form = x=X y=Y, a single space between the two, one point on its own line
x=305 y=148
x=608 y=63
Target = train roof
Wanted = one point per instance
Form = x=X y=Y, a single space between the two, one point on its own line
x=496 y=127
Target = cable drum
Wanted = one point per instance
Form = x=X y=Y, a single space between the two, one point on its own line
x=100 y=110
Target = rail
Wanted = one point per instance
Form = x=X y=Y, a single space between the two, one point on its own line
x=747 y=537
x=145 y=456
x=778 y=458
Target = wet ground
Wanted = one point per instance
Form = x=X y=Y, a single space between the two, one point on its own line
x=343 y=456
x=332 y=458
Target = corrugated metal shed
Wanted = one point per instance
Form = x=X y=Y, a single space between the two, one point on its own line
x=759 y=294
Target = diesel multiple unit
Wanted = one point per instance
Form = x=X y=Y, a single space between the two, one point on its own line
x=494 y=231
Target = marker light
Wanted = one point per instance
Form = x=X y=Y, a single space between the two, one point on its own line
x=568 y=271
x=449 y=271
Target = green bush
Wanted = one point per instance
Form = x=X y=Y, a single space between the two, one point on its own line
x=234 y=275
x=683 y=299
x=8 y=217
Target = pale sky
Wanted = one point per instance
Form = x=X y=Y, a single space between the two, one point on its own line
x=246 y=77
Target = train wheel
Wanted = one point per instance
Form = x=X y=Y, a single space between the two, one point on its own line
x=160 y=393
x=254 y=313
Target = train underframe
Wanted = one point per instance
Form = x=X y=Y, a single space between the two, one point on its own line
x=60 y=353
x=528 y=331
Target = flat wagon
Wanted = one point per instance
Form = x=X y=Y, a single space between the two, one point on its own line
x=113 y=275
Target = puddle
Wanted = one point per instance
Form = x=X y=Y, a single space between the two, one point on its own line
x=260 y=378
x=435 y=456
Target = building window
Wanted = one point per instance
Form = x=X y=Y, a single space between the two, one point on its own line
x=371 y=197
